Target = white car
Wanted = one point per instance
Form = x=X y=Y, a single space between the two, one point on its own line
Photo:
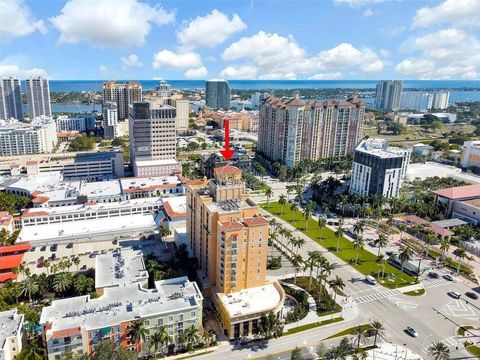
x=371 y=280
x=455 y=294
x=449 y=277
x=411 y=331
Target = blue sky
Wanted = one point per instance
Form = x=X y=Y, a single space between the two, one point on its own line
x=240 y=39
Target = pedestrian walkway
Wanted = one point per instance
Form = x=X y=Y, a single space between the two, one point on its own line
x=376 y=296
x=452 y=342
x=429 y=284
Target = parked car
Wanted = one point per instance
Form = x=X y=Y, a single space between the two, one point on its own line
x=54 y=247
x=84 y=267
x=471 y=295
x=411 y=331
x=389 y=253
x=449 y=277
x=371 y=280
x=32 y=248
x=43 y=248
x=433 y=275
x=69 y=245
x=454 y=294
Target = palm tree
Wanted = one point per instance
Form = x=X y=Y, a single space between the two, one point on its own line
x=268 y=193
x=29 y=286
x=379 y=260
x=405 y=255
x=444 y=247
x=32 y=351
x=429 y=239
x=439 y=351
x=402 y=228
x=191 y=336
x=76 y=261
x=206 y=337
x=62 y=282
x=378 y=329
x=322 y=222
x=160 y=339
x=460 y=254
x=313 y=258
x=137 y=331
x=381 y=242
x=325 y=209
x=360 y=335
x=297 y=262
x=358 y=245
x=282 y=200
x=293 y=209
x=359 y=227
x=327 y=269
x=307 y=213
x=338 y=235
x=298 y=243
x=272 y=238
x=336 y=284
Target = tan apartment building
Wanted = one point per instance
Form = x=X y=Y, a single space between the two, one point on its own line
x=230 y=240
x=124 y=94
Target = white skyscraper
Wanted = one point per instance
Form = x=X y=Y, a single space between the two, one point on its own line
x=110 y=120
x=440 y=99
x=38 y=97
x=388 y=94
x=10 y=99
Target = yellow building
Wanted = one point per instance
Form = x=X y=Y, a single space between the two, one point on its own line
x=230 y=240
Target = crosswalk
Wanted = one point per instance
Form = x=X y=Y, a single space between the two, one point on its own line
x=459 y=308
x=429 y=284
x=376 y=296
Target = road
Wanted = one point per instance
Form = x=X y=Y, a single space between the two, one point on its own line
x=435 y=315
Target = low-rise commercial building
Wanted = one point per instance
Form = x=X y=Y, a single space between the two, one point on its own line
x=78 y=324
x=471 y=155
x=11 y=334
x=450 y=196
x=90 y=165
x=10 y=258
x=82 y=123
x=378 y=168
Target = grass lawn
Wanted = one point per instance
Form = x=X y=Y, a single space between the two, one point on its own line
x=418 y=292
x=461 y=330
x=367 y=261
x=313 y=325
x=349 y=331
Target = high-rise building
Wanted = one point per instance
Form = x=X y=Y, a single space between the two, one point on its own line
x=124 y=94
x=217 y=94
x=291 y=130
x=164 y=89
x=152 y=139
x=82 y=122
x=110 y=120
x=38 y=97
x=229 y=237
x=182 y=107
x=256 y=98
x=388 y=94
x=441 y=99
x=378 y=168
x=18 y=138
x=10 y=99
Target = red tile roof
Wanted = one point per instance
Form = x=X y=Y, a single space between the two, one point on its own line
x=14 y=248
x=442 y=232
x=460 y=192
x=233 y=225
x=229 y=169
x=7 y=276
x=66 y=332
x=40 y=199
x=172 y=214
x=10 y=261
x=27 y=213
x=254 y=221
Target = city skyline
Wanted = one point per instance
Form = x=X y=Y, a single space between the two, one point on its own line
x=205 y=40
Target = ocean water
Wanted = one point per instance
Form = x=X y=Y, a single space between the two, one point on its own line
x=92 y=85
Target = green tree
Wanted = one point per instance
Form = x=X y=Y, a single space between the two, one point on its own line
x=336 y=284
x=83 y=284
x=405 y=255
x=297 y=262
x=32 y=351
x=160 y=339
x=137 y=331
x=269 y=326
x=338 y=235
x=381 y=242
x=282 y=200
x=108 y=350
x=358 y=244
x=296 y=354
x=29 y=286
x=322 y=223
x=268 y=192
x=359 y=334
x=378 y=329
x=293 y=209
x=307 y=213
x=62 y=282
x=439 y=351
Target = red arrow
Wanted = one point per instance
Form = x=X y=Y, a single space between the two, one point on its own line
x=227 y=153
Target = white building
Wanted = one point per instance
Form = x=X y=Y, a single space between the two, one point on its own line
x=153 y=139
x=256 y=98
x=441 y=99
x=420 y=100
x=378 y=168
x=388 y=93
x=10 y=99
x=164 y=89
x=471 y=154
x=111 y=127
x=11 y=334
x=79 y=323
x=38 y=97
x=18 y=138
x=182 y=107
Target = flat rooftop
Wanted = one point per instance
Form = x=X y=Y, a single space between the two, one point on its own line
x=430 y=169
x=100 y=188
x=379 y=148
x=251 y=301
x=120 y=304
x=121 y=267
x=150 y=182
x=451 y=222
x=157 y=162
x=10 y=325
x=88 y=229
x=227 y=206
x=175 y=207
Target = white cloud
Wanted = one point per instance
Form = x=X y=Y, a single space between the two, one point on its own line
x=131 y=61
x=109 y=23
x=444 y=54
x=239 y=72
x=368 y=12
x=356 y=3
x=457 y=12
x=209 y=30
x=169 y=59
x=17 y=20
x=21 y=73
x=273 y=56
x=198 y=73
x=326 y=76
